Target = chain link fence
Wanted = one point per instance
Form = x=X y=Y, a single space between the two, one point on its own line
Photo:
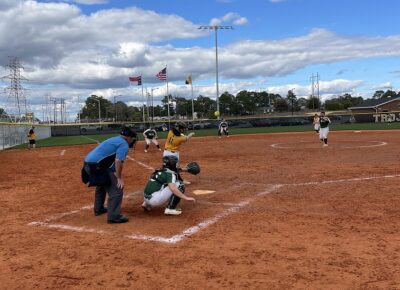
x=16 y=134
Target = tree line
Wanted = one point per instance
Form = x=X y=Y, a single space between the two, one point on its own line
x=244 y=103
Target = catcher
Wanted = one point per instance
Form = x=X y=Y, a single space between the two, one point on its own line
x=165 y=186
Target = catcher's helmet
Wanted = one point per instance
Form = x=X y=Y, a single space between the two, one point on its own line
x=170 y=162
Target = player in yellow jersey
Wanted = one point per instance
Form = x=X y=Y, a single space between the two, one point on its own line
x=175 y=139
x=316 y=123
x=32 y=139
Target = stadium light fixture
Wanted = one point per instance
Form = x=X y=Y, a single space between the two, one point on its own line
x=216 y=28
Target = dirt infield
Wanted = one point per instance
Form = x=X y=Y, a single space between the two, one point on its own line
x=286 y=214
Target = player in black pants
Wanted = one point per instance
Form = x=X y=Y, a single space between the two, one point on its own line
x=223 y=128
x=150 y=135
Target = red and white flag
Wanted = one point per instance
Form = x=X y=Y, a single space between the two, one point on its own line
x=162 y=75
x=137 y=79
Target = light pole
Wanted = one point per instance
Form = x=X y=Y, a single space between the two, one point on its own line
x=216 y=28
x=115 y=107
x=99 y=109
x=292 y=97
x=152 y=104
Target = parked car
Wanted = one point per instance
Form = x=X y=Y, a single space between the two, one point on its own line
x=91 y=128
x=205 y=125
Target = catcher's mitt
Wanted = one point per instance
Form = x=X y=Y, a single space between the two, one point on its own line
x=193 y=168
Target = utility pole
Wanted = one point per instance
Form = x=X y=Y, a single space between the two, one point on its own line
x=152 y=104
x=216 y=28
x=16 y=96
x=115 y=107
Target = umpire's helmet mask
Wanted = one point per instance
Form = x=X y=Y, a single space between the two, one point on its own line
x=170 y=162
x=127 y=132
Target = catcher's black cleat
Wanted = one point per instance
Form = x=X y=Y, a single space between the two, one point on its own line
x=121 y=219
x=100 y=211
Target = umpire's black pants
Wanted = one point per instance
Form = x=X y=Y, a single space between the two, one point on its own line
x=114 y=201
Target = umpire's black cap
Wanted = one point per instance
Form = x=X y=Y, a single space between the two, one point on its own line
x=125 y=131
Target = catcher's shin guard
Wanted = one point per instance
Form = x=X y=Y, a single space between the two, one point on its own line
x=173 y=202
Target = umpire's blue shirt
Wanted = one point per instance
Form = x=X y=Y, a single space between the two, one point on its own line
x=109 y=150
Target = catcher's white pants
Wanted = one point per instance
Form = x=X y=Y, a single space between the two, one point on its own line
x=160 y=197
x=148 y=141
x=323 y=133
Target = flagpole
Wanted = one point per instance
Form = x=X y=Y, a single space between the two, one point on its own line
x=166 y=78
x=143 y=107
x=191 y=85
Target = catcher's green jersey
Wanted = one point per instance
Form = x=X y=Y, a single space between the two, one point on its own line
x=158 y=181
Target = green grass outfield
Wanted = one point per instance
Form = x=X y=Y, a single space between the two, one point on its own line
x=91 y=139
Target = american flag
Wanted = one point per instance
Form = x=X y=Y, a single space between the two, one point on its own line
x=136 y=79
x=162 y=75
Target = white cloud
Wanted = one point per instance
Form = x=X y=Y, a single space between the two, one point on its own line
x=326 y=88
x=90 y=2
x=276 y=1
x=229 y=18
x=79 y=54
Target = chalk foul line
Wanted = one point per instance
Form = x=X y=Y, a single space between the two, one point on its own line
x=198 y=227
x=141 y=163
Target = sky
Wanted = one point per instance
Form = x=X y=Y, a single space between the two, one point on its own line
x=72 y=49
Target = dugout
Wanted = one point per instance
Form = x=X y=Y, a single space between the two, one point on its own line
x=364 y=112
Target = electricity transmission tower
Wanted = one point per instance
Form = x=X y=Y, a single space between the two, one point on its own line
x=16 y=101
x=315 y=87
x=58 y=107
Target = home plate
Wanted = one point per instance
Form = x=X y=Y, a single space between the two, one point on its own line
x=202 y=191
x=357 y=131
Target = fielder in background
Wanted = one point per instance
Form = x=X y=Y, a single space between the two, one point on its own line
x=103 y=168
x=223 y=128
x=164 y=186
x=175 y=139
x=150 y=136
x=324 y=128
x=32 y=139
x=316 y=123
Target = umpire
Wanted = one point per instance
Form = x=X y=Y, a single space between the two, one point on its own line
x=103 y=168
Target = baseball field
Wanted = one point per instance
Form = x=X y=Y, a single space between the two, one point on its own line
x=285 y=213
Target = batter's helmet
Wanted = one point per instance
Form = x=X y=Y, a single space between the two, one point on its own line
x=180 y=126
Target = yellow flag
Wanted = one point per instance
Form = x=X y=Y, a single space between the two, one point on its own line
x=189 y=80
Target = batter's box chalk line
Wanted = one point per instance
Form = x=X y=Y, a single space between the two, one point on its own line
x=231 y=209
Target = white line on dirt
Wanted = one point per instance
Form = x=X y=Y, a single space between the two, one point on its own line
x=61 y=215
x=91 y=139
x=295 y=145
x=202 y=225
x=141 y=163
